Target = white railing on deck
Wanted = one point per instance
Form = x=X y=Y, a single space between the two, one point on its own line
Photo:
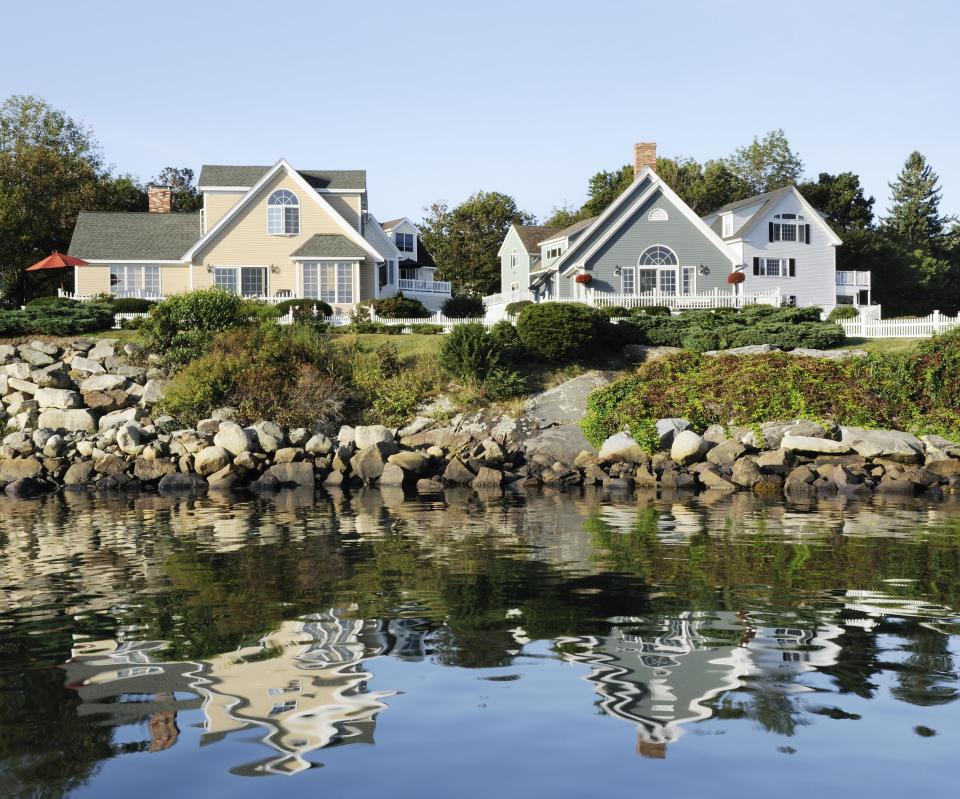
x=683 y=302
x=424 y=286
x=903 y=327
x=850 y=278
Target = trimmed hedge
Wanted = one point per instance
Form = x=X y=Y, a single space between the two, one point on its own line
x=558 y=330
x=61 y=317
x=132 y=305
x=463 y=306
x=400 y=307
x=514 y=308
x=842 y=312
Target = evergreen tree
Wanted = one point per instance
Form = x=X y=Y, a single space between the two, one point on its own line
x=915 y=212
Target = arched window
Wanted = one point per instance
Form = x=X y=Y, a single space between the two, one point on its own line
x=283 y=213
x=658 y=215
x=658 y=256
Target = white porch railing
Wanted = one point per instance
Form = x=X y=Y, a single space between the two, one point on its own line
x=904 y=327
x=424 y=286
x=850 y=278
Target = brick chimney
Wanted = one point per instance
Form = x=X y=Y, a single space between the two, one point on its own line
x=644 y=154
x=159 y=198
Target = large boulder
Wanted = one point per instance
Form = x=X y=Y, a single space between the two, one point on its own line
x=210 y=460
x=566 y=402
x=890 y=445
x=410 y=461
x=457 y=472
x=79 y=473
x=667 y=430
x=367 y=435
x=35 y=357
x=234 y=438
x=298 y=473
x=269 y=436
x=177 y=482
x=79 y=420
x=117 y=418
x=102 y=382
x=561 y=443
x=128 y=438
x=16 y=468
x=57 y=398
x=148 y=470
x=622 y=447
x=319 y=445
x=81 y=364
x=813 y=446
x=688 y=447
x=368 y=463
x=772 y=433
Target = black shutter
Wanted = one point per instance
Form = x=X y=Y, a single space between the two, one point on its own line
x=756 y=264
x=793 y=267
x=807 y=235
x=771 y=234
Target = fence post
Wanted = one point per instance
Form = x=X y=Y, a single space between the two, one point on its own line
x=373 y=315
x=936 y=322
x=863 y=325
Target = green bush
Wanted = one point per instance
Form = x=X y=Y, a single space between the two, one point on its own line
x=514 y=308
x=58 y=318
x=841 y=312
x=507 y=340
x=558 y=330
x=196 y=314
x=367 y=327
x=469 y=353
x=132 y=305
x=51 y=298
x=651 y=310
x=614 y=311
x=464 y=306
x=503 y=384
x=13 y=323
x=304 y=306
x=400 y=307
x=426 y=329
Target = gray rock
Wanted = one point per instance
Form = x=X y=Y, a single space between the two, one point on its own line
x=110 y=464
x=830 y=355
x=726 y=453
x=234 y=438
x=54 y=446
x=19 y=370
x=487 y=478
x=24 y=386
x=57 y=398
x=81 y=364
x=116 y=418
x=368 y=463
x=153 y=391
x=300 y=473
x=298 y=436
x=813 y=446
x=210 y=460
x=561 y=443
x=409 y=461
x=319 y=445
x=265 y=483
x=287 y=455
x=394 y=475
x=79 y=473
x=345 y=435
x=46 y=347
x=429 y=487
x=367 y=435
x=566 y=402
x=34 y=357
x=210 y=426
x=944 y=468
x=223 y=480
x=269 y=436
x=177 y=482
x=640 y=353
x=457 y=472
x=149 y=470
x=102 y=382
x=131 y=372
x=622 y=447
x=772 y=433
x=939 y=448
x=714 y=480
x=18 y=468
x=667 y=430
x=751 y=349
x=687 y=447
x=40 y=436
x=128 y=438
x=76 y=420
x=746 y=473
x=102 y=350
x=889 y=445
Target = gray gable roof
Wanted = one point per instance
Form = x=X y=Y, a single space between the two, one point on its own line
x=391 y=223
x=532 y=235
x=329 y=246
x=107 y=235
x=246 y=176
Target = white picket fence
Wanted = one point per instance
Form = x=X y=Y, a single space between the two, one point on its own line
x=904 y=327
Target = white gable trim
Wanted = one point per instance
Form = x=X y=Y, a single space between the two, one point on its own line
x=282 y=164
x=513 y=225
x=655 y=182
x=376 y=229
x=400 y=221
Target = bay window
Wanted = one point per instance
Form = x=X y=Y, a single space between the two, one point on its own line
x=329 y=281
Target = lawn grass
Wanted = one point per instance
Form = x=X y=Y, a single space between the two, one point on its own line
x=880 y=346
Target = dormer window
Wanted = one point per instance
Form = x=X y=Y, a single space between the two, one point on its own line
x=789 y=227
x=727 y=225
x=553 y=252
x=404 y=242
x=283 y=214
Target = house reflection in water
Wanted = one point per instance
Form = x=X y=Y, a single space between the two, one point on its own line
x=662 y=673
x=303 y=685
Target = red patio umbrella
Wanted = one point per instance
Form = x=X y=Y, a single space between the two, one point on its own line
x=56 y=261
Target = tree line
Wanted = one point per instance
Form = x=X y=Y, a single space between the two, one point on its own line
x=913 y=252
x=51 y=168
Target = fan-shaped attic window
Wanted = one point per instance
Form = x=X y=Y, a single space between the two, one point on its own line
x=283 y=213
x=658 y=215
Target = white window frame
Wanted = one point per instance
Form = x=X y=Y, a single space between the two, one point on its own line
x=514 y=259
x=238 y=277
x=401 y=240
x=279 y=223
x=514 y=291
x=628 y=280
x=334 y=281
x=727 y=225
x=554 y=252
x=144 y=277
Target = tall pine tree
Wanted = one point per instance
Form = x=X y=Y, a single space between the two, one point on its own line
x=915 y=211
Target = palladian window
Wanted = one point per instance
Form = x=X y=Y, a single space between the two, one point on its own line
x=283 y=213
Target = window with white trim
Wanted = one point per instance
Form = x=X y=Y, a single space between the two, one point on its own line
x=658 y=215
x=657 y=270
x=283 y=213
x=728 y=225
x=404 y=241
x=329 y=281
x=553 y=252
x=514 y=259
x=775 y=267
x=247 y=281
x=789 y=227
x=134 y=280
x=628 y=280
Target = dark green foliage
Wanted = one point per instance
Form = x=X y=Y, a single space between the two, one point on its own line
x=508 y=342
x=614 y=311
x=463 y=306
x=841 y=198
x=917 y=392
x=59 y=317
x=47 y=300
x=132 y=305
x=400 y=307
x=426 y=329
x=555 y=331
x=651 y=310
x=915 y=213
x=514 y=308
x=302 y=307
x=469 y=353
x=181 y=326
x=842 y=312
x=502 y=384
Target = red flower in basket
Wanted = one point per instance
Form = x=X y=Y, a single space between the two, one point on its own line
x=736 y=277
x=584 y=278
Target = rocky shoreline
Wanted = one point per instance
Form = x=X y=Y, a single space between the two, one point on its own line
x=83 y=415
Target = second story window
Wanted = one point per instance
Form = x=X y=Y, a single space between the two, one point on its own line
x=514 y=259
x=283 y=214
x=405 y=242
x=553 y=252
x=789 y=227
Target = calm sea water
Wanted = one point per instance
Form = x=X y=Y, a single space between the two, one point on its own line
x=543 y=644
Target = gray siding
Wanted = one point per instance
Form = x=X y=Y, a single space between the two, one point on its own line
x=637 y=233
x=521 y=274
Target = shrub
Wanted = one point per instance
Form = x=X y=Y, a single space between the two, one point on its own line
x=464 y=306
x=132 y=305
x=558 y=330
x=507 y=340
x=200 y=312
x=304 y=307
x=426 y=329
x=13 y=323
x=469 y=353
x=367 y=327
x=67 y=318
x=842 y=312
x=47 y=300
x=400 y=307
x=514 y=308
x=651 y=310
x=502 y=384
x=614 y=311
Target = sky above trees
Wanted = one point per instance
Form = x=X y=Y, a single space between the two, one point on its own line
x=438 y=101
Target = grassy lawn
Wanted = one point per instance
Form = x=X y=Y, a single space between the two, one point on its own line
x=880 y=346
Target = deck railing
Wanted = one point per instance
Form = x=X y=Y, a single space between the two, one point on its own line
x=424 y=286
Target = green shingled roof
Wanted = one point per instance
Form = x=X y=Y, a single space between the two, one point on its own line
x=329 y=246
x=246 y=176
x=103 y=235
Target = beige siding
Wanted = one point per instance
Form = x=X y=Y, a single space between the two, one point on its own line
x=217 y=206
x=348 y=206
x=244 y=240
x=368 y=279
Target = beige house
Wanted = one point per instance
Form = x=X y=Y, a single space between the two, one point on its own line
x=268 y=232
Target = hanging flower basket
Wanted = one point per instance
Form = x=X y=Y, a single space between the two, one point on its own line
x=736 y=277
x=584 y=278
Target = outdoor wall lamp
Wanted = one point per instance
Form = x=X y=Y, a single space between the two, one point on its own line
x=274 y=269
x=703 y=270
x=616 y=270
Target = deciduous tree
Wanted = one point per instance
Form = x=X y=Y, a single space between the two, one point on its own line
x=185 y=196
x=841 y=198
x=766 y=164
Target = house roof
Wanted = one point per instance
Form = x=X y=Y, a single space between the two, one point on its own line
x=766 y=201
x=392 y=223
x=108 y=235
x=328 y=246
x=532 y=235
x=569 y=230
x=247 y=176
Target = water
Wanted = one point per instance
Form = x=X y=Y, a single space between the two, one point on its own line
x=542 y=644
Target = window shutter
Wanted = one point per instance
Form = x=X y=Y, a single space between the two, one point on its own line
x=771 y=239
x=756 y=264
x=807 y=233
x=793 y=267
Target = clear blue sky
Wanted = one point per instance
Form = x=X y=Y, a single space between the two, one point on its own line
x=437 y=100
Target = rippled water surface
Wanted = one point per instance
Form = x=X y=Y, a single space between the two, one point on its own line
x=554 y=644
